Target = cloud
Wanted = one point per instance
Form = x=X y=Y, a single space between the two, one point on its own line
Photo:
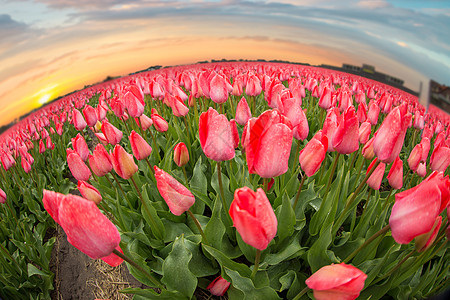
x=373 y=4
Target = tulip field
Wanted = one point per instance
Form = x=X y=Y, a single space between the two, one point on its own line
x=233 y=180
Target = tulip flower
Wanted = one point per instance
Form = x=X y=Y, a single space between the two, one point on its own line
x=425 y=142
x=415 y=157
x=312 y=156
x=372 y=114
x=440 y=159
x=389 y=140
x=395 y=175
x=415 y=210
x=270 y=141
x=2 y=196
x=346 y=137
x=424 y=241
x=219 y=88
x=78 y=120
x=41 y=147
x=112 y=134
x=77 y=166
x=253 y=217
x=89 y=192
x=216 y=137
x=123 y=162
x=253 y=86
x=7 y=160
x=422 y=169
x=141 y=149
x=135 y=105
x=159 y=122
x=79 y=145
x=301 y=130
x=330 y=126
x=100 y=161
x=25 y=165
x=180 y=154
x=243 y=113
x=364 y=132
x=234 y=133
x=375 y=179
x=325 y=99
x=87 y=229
x=177 y=196
x=90 y=115
x=337 y=281
x=219 y=286
x=144 y=122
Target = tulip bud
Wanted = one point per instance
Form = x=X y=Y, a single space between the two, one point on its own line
x=89 y=192
x=90 y=115
x=422 y=169
x=395 y=176
x=345 y=139
x=159 y=122
x=424 y=241
x=79 y=145
x=76 y=165
x=234 y=133
x=312 y=156
x=374 y=111
x=415 y=157
x=141 y=149
x=243 y=113
x=364 y=132
x=180 y=154
x=375 y=179
x=145 y=122
x=2 y=196
x=41 y=147
x=112 y=134
x=177 y=196
x=218 y=287
x=440 y=159
x=218 y=89
x=135 y=106
x=78 y=120
x=50 y=145
x=367 y=150
x=100 y=161
x=123 y=162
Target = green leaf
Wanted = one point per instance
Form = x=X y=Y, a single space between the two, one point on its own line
x=317 y=254
x=152 y=294
x=245 y=285
x=215 y=229
x=286 y=219
x=174 y=230
x=151 y=216
x=177 y=276
x=225 y=261
x=293 y=249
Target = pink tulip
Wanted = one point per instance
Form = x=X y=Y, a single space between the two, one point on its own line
x=374 y=111
x=312 y=156
x=301 y=130
x=144 y=122
x=346 y=137
x=159 y=122
x=243 y=113
x=78 y=120
x=180 y=154
x=218 y=287
x=253 y=87
x=425 y=142
x=415 y=157
x=219 y=89
x=415 y=210
x=364 y=132
x=337 y=281
x=325 y=99
x=135 y=104
x=234 y=133
x=424 y=241
x=41 y=147
x=395 y=175
x=51 y=201
x=216 y=137
x=77 y=166
x=89 y=192
x=422 y=169
x=90 y=115
x=123 y=162
x=79 y=145
x=253 y=217
x=100 y=161
x=375 y=179
x=2 y=196
x=141 y=149
x=330 y=126
x=177 y=196
x=112 y=134
x=440 y=159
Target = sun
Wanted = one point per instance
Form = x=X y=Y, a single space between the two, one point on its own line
x=44 y=99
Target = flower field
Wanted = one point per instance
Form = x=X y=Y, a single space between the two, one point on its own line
x=240 y=180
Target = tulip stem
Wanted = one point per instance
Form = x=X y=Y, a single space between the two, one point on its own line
x=255 y=268
x=150 y=167
x=134 y=264
x=299 y=295
x=330 y=179
x=299 y=191
x=155 y=145
x=381 y=232
x=10 y=256
x=199 y=226
x=219 y=178
x=136 y=188
x=185 y=175
x=395 y=268
x=121 y=189
x=265 y=184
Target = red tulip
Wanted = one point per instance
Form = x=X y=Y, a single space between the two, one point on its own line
x=219 y=286
x=123 y=162
x=325 y=99
x=374 y=111
x=134 y=103
x=41 y=147
x=440 y=159
x=78 y=120
x=415 y=210
x=112 y=259
x=364 y=132
x=346 y=137
x=112 y=134
x=7 y=160
x=144 y=122
x=243 y=113
x=415 y=157
x=269 y=146
x=216 y=137
x=253 y=217
x=89 y=192
x=389 y=140
x=375 y=179
x=159 y=122
x=312 y=156
x=50 y=145
x=141 y=149
x=234 y=133
x=90 y=114
x=77 y=166
x=79 y=145
x=177 y=196
x=395 y=175
x=425 y=142
x=51 y=201
x=25 y=165
x=301 y=130
x=100 y=161
x=180 y=154
x=330 y=126
x=337 y=281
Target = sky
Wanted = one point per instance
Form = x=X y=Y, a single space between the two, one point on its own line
x=49 y=48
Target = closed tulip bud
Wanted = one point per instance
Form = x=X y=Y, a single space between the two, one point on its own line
x=89 y=192
x=118 y=107
x=100 y=161
x=424 y=241
x=141 y=149
x=301 y=130
x=159 y=122
x=180 y=154
x=2 y=196
x=135 y=106
x=415 y=157
x=7 y=160
x=253 y=217
x=367 y=150
x=145 y=122
x=44 y=134
x=325 y=99
x=345 y=139
x=330 y=126
x=100 y=112
x=90 y=115
x=395 y=175
x=78 y=120
x=123 y=162
x=112 y=134
x=375 y=179
x=216 y=137
x=337 y=281
x=77 y=166
x=218 y=91
x=425 y=142
x=79 y=145
x=50 y=145
x=218 y=287
x=234 y=133
x=243 y=113
x=422 y=169
x=177 y=196
x=440 y=159
x=253 y=87
x=364 y=132
x=41 y=147
x=374 y=111
x=312 y=156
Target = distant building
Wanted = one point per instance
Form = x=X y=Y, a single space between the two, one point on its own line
x=440 y=95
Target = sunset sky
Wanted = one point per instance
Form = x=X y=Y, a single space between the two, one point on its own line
x=51 y=47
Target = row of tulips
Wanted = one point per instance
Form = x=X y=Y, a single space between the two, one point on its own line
x=246 y=178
